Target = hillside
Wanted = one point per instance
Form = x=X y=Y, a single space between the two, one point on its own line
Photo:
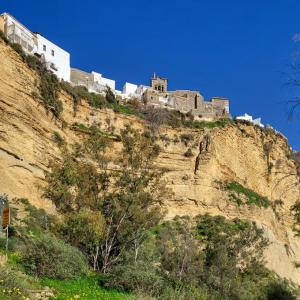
x=202 y=181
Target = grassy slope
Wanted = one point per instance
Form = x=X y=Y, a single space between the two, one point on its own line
x=86 y=288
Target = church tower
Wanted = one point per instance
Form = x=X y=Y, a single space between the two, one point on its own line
x=159 y=84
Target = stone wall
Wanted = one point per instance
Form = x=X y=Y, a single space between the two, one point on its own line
x=188 y=101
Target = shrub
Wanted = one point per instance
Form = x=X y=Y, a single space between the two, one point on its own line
x=3 y=37
x=186 y=138
x=18 y=48
x=123 y=109
x=14 y=284
x=110 y=96
x=81 y=126
x=50 y=257
x=49 y=87
x=58 y=138
x=207 y=124
x=189 y=153
x=97 y=100
x=280 y=290
x=251 y=196
x=138 y=277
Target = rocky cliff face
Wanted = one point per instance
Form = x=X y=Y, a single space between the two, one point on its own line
x=256 y=159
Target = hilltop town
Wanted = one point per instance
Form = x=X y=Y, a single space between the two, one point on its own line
x=156 y=94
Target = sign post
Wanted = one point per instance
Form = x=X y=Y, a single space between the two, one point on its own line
x=5 y=223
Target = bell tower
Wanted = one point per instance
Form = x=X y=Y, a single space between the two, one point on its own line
x=159 y=84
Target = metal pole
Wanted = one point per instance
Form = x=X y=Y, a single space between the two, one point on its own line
x=6 y=240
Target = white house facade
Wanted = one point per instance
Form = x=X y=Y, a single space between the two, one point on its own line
x=56 y=59
x=129 y=89
x=93 y=81
x=98 y=78
x=249 y=118
x=18 y=33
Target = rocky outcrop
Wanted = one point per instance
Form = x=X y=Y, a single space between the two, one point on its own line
x=255 y=158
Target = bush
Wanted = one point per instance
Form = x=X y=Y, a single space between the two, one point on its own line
x=3 y=37
x=207 y=124
x=280 y=290
x=250 y=196
x=123 y=109
x=138 y=277
x=50 y=257
x=14 y=284
x=58 y=138
x=186 y=138
x=97 y=100
x=189 y=153
x=18 y=48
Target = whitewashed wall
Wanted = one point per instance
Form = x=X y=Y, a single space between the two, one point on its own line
x=129 y=89
x=18 y=33
x=98 y=78
x=58 y=60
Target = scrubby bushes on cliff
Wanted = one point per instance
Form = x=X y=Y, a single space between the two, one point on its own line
x=201 y=258
x=205 y=258
x=242 y=195
x=50 y=257
x=129 y=199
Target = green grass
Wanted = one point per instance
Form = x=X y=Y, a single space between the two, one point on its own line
x=86 y=288
x=252 y=198
x=122 y=109
x=208 y=124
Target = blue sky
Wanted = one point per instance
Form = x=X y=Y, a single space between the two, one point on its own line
x=233 y=48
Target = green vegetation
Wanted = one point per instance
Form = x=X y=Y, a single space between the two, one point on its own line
x=127 y=199
x=49 y=84
x=123 y=109
x=92 y=130
x=14 y=284
x=81 y=92
x=208 y=124
x=58 y=138
x=47 y=256
x=189 y=153
x=242 y=195
x=84 y=288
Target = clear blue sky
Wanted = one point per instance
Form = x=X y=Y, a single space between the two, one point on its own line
x=233 y=48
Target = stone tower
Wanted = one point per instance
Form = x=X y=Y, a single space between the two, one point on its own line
x=159 y=84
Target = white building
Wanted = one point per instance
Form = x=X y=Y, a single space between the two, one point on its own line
x=131 y=90
x=98 y=78
x=249 y=118
x=57 y=60
x=18 y=33
x=93 y=81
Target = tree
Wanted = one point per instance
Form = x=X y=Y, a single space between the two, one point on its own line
x=134 y=205
x=110 y=96
x=233 y=257
x=85 y=230
x=128 y=191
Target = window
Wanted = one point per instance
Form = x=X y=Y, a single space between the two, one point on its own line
x=44 y=47
x=196 y=102
x=52 y=52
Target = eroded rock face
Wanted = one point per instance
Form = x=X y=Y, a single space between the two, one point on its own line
x=257 y=159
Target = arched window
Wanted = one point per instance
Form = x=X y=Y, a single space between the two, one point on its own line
x=196 y=102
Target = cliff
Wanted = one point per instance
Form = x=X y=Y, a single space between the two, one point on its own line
x=258 y=160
